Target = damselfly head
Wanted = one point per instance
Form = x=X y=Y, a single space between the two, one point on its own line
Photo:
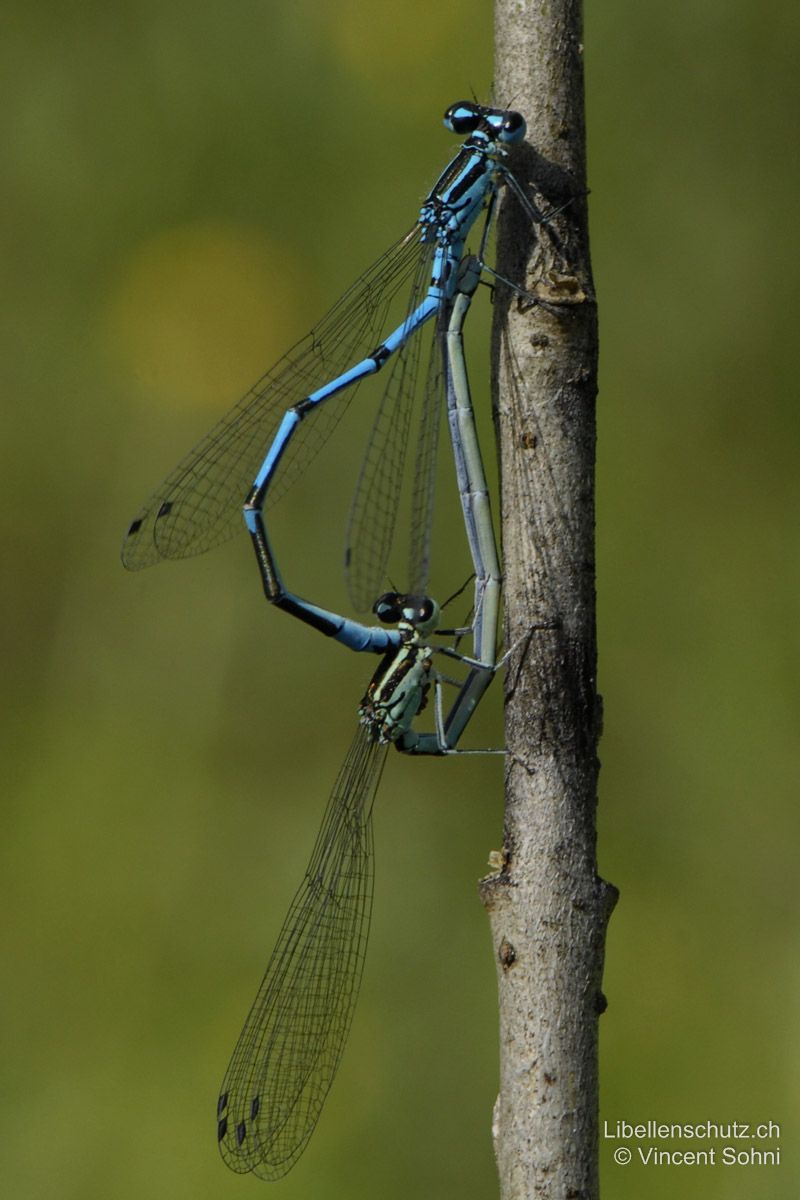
x=498 y=124
x=419 y=611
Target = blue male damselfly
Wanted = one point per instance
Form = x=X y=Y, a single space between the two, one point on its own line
x=256 y=451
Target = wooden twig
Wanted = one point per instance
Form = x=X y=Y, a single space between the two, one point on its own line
x=547 y=906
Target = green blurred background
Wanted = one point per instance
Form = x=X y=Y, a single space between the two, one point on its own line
x=168 y=741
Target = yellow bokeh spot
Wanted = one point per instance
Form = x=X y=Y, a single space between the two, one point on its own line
x=201 y=311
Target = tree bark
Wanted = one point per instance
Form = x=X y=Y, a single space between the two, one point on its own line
x=548 y=908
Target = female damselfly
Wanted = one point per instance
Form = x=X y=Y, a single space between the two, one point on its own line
x=290 y=1047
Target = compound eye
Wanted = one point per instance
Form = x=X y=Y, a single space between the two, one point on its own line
x=514 y=127
x=387 y=608
x=425 y=610
x=462 y=117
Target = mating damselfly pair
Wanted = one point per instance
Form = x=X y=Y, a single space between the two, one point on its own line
x=287 y=1054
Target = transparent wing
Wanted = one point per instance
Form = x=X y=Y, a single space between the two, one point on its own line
x=199 y=504
x=292 y=1041
x=374 y=510
x=423 y=493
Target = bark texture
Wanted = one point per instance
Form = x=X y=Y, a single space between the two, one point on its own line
x=547 y=906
